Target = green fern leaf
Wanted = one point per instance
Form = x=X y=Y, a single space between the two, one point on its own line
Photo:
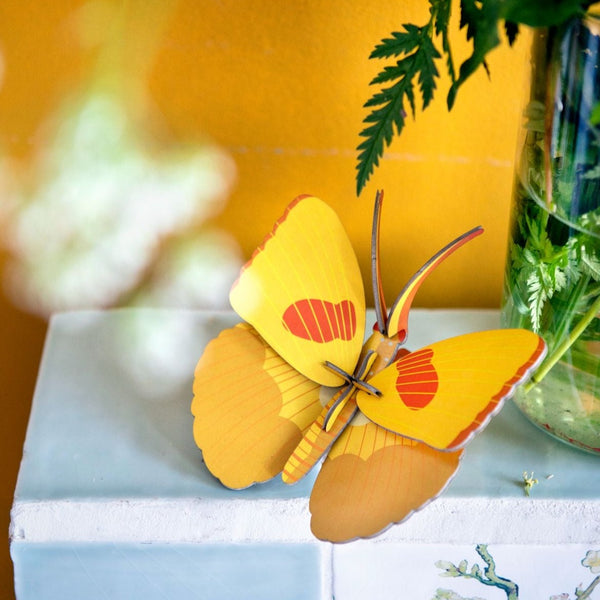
x=590 y=264
x=537 y=298
x=416 y=66
x=428 y=73
x=512 y=31
x=440 y=11
x=377 y=135
x=401 y=42
x=481 y=22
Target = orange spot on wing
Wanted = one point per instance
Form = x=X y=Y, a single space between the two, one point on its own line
x=417 y=380
x=321 y=321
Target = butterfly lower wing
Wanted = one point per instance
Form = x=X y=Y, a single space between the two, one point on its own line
x=373 y=478
x=251 y=408
x=444 y=393
x=302 y=291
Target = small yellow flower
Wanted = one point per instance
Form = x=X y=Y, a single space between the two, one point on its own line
x=528 y=481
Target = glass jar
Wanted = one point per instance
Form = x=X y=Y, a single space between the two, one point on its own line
x=552 y=280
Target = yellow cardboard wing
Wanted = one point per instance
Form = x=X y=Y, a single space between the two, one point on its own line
x=303 y=291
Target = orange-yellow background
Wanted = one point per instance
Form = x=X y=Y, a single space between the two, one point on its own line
x=279 y=85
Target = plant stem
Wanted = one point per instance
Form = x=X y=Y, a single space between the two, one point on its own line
x=569 y=312
x=558 y=352
x=586 y=593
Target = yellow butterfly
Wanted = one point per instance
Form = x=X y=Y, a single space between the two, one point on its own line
x=295 y=382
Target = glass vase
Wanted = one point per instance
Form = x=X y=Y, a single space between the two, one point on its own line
x=552 y=280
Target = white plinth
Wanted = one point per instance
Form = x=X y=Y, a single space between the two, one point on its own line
x=113 y=500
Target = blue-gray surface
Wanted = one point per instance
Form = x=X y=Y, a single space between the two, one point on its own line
x=111 y=419
x=107 y=423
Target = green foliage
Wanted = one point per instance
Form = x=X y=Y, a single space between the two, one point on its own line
x=550 y=281
x=416 y=50
x=542 y=13
x=553 y=275
x=539 y=269
x=480 y=19
x=595 y=115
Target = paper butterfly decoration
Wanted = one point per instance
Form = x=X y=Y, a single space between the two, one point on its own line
x=295 y=382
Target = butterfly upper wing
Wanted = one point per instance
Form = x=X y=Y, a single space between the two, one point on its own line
x=444 y=393
x=373 y=478
x=251 y=408
x=302 y=291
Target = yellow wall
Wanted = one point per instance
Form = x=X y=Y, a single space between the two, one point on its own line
x=279 y=84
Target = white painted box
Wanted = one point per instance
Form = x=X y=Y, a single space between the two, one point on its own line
x=113 y=500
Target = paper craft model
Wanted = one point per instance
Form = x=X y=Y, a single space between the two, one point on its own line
x=295 y=382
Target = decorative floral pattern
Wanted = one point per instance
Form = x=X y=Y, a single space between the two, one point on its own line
x=592 y=561
x=487 y=576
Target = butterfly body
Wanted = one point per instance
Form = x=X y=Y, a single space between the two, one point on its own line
x=327 y=427
x=295 y=384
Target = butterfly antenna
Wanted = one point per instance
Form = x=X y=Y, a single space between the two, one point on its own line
x=380 y=308
x=398 y=318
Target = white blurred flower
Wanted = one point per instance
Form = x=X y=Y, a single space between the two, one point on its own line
x=103 y=203
x=193 y=271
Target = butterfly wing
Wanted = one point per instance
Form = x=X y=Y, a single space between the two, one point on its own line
x=302 y=291
x=318 y=438
x=373 y=478
x=446 y=392
x=251 y=408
